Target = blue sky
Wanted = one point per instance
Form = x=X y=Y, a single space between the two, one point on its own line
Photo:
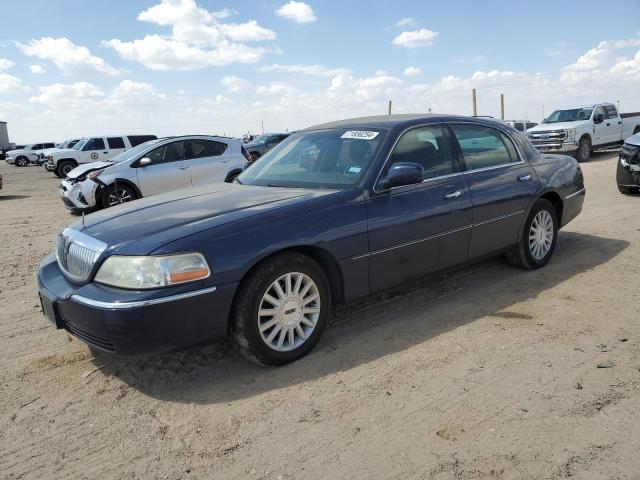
x=176 y=66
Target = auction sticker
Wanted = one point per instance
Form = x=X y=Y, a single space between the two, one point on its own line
x=360 y=134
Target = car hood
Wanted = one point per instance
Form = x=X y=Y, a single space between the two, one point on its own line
x=633 y=140
x=85 y=168
x=64 y=151
x=154 y=221
x=545 y=127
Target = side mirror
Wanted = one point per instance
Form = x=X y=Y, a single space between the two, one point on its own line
x=401 y=173
x=598 y=118
x=143 y=162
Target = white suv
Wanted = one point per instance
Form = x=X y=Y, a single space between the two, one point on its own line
x=92 y=149
x=156 y=166
x=27 y=155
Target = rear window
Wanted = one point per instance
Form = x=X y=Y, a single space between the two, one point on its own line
x=207 y=148
x=136 y=140
x=115 y=142
x=519 y=126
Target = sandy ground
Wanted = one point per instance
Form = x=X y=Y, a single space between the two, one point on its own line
x=483 y=372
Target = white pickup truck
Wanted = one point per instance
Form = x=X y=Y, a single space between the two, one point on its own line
x=581 y=130
x=91 y=149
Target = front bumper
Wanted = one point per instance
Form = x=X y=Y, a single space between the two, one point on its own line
x=556 y=146
x=627 y=174
x=78 y=195
x=10 y=160
x=133 y=322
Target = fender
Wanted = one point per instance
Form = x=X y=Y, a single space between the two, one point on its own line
x=123 y=181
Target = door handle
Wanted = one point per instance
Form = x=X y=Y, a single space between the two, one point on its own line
x=620 y=123
x=524 y=178
x=183 y=168
x=105 y=152
x=452 y=195
x=608 y=124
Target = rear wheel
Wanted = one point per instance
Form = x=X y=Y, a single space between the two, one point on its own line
x=22 y=162
x=583 y=154
x=281 y=309
x=628 y=190
x=115 y=196
x=539 y=237
x=65 y=167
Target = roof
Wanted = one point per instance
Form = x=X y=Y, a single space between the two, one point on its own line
x=389 y=122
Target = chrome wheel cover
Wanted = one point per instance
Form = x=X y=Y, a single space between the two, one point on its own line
x=289 y=312
x=118 y=196
x=541 y=235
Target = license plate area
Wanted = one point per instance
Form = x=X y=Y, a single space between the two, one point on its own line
x=50 y=311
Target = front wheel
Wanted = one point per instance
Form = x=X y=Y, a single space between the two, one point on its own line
x=22 y=161
x=281 y=309
x=583 y=154
x=113 y=196
x=65 y=168
x=254 y=156
x=538 y=239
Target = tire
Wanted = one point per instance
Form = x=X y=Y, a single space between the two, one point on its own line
x=251 y=329
x=56 y=172
x=628 y=190
x=525 y=254
x=254 y=156
x=583 y=154
x=111 y=198
x=65 y=167
x=22 y=162
x=232 y=176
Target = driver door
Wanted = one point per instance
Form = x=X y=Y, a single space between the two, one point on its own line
x=167 y=170
x=418 y=229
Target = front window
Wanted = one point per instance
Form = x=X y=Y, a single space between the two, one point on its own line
x=81 y=143
x=94 y=144
x=570 y=115
x=335 y=158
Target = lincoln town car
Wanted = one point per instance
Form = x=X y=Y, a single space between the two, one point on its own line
x=333 y=213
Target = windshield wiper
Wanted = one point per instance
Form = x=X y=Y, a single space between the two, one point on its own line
x=274 y=185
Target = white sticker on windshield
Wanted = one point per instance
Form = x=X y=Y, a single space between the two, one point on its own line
x=355 y=169
x=360 y=134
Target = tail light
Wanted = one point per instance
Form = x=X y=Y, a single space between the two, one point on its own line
x=246 y=154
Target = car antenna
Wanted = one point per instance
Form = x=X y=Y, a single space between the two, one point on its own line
x=83 y=220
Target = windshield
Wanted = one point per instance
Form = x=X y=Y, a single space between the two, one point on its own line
x=570 y=115
x=335 y=158
x=133 y=152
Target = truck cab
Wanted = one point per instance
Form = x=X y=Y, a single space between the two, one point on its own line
x=581 y=130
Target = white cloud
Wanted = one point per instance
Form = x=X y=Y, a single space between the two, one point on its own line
x=5 y=64
x=406 y=22
x=198 y=38
x=37 y=69
x=67 y=56
x=11 y=84
x=415 y=38
x=235 y=84
x=313 y=70
x=412 y=72
x=60 y=93
x=299 y=12
x=275 y=89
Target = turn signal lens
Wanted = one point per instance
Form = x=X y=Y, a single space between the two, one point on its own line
x=152 y=271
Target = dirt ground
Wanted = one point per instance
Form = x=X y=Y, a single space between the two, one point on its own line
x=481 y=373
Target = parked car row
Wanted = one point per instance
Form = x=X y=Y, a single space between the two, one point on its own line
x=331 y=214
x=581 y=130
x=22 y=157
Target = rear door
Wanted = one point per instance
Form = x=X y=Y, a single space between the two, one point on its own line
x=116 y=146
x=417 y=229
x=207 y=161
x=502 y=186
x=167 y=170
x=612 y=124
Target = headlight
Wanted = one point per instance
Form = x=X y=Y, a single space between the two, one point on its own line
x=152 y=271
x=571 y=134
x=95 y=174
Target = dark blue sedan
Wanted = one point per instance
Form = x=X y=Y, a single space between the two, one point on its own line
x=332 y=214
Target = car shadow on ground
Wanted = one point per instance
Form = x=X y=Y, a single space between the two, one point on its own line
x=366 y=331
x=13 y=197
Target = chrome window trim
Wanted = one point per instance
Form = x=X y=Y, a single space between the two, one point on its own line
x=140 y=303
x=574 y=194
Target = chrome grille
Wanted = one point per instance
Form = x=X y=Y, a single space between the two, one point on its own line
x=548 y=137
x=77 y=253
